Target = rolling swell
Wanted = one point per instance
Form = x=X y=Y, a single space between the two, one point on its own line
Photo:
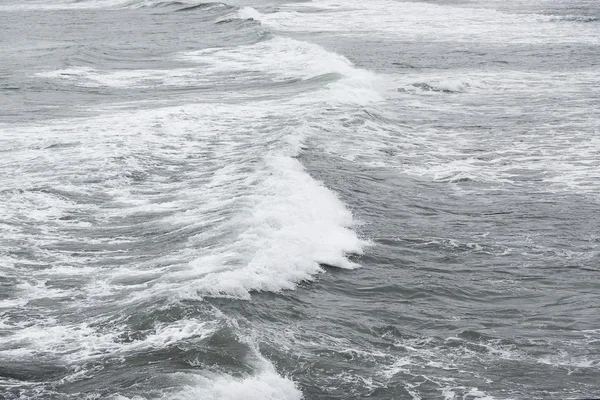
x=172 y=207
x=185 y=203
x=206 y=6
x=178 y=6
x=174 y=5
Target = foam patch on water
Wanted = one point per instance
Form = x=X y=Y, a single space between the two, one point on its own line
x=263 y=383
x=403 y=20
x=82 y=342
x=564 y=359
x=171 y=4
x=414 y=366
x=569 y=18
x=444 y=86
x=266 y=384
x=450 y=393
x=249 y=13
x=94 y=4
x=82 y=347
x=455 y=138
x=93 y=78
x=62 y=5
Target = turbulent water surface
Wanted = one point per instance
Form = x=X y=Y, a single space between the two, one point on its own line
x=332 y=199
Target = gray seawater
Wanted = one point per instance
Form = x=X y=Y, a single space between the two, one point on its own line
x=321 y=200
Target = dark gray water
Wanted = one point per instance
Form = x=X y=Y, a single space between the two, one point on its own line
x=318 y=200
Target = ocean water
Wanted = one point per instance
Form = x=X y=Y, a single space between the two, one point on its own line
x=310 y=200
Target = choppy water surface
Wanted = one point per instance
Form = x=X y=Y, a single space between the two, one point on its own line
x=318 y=200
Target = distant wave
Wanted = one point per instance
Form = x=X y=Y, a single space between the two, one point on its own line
x=570 y=18
x=177 y=5
x=91 y=4
x=440 y=86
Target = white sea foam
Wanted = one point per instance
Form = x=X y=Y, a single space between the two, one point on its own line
x=292 y=231
x=263 y=383
x=73 y=343
x=475 y=393
x=452 y=393
x=86 y=4
x=442 y=85
x=90 y=77
x=560 y=152
x=266 y=384
x=564 y=359
x=402 y=20
x=62 y=5
x=249 y=13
